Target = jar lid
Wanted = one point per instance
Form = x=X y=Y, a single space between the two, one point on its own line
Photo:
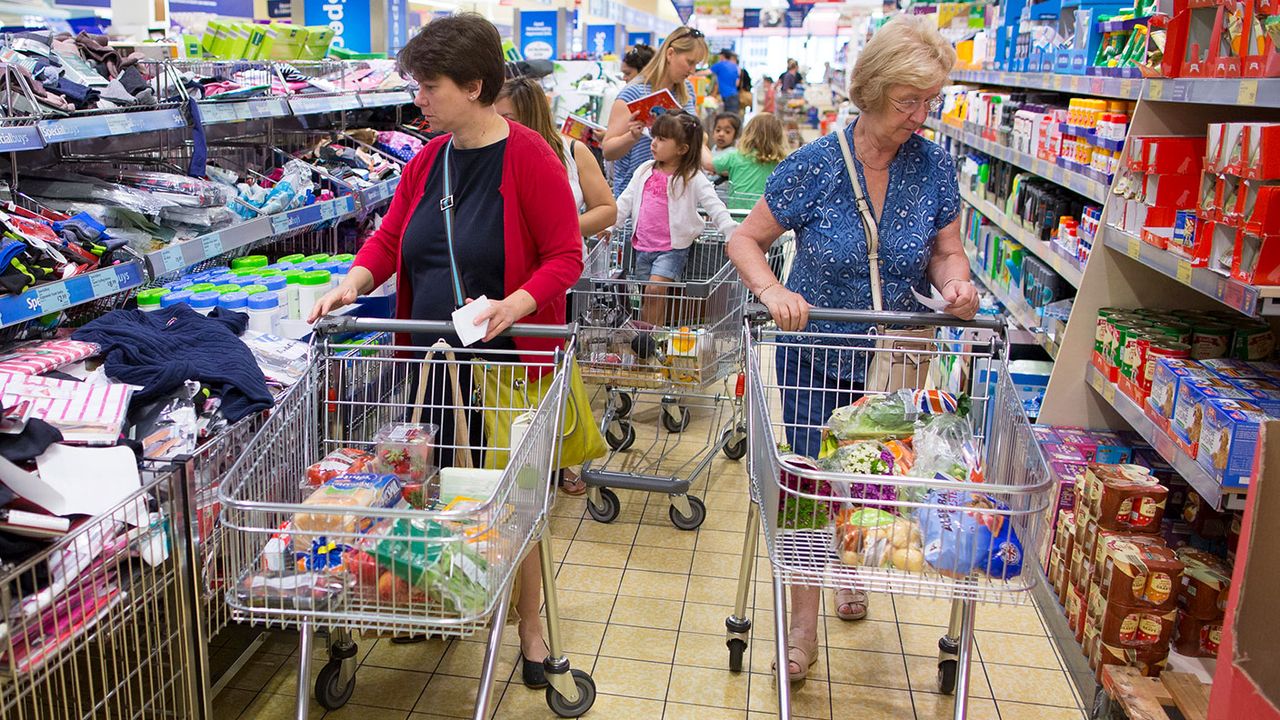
x=178 y=285
x=243 y=272
x=345 y=257
x=233 y=301
x=253 y=289
x=270 y=272
x=315 y=277
x=175 y=298
x=200 y=287
x=291 y=259
x=204 y=299
x=226 y=288
x=317 y=258
x=246 y=280
x=264 y=301
x=249 y=261
x=294 y=277
x=151 y=297
x=275 y=282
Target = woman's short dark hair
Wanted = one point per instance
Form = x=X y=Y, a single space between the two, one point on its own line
x=639 y=56
x=463 y=47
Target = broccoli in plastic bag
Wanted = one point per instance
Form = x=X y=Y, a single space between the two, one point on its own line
x=960 y=538
x=419 y=552
x=946 y=449
x=889 y=416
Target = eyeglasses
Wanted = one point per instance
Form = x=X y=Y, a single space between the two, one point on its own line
x=908 y=107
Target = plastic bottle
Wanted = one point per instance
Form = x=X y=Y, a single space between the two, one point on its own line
x=264 y=310
x=311 y=287
x=317 y=258
x=340 y=271
x=249 y=262
x=178 y=285
x=149 y=300
x=237 y=301
x=176 y=297
x=204 y=302
x=277 y=285
x=224 y=288
x=293 y=279
x=293 y=259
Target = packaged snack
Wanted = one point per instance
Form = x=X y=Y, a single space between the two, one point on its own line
x=1205 y=583
x=365 y=490
x=1045 y=434
x=1168 y=374
x=1141 y=572
x=1196 y=637
x=1131 y=503
x=1130 y=627
x=1190 y=404
x=1149 y=661
x=405 y=450
x=965 y=532
x=1061 y=452
x=1228 y=439
x=342 y=461
x=874 y=538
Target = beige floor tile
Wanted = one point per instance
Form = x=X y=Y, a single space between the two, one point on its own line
x=455 y=696
x=666 y=537
x=1051 y=687
x=703 y=618
x=923 y=611
x=352 y=711
x=923 y=673
x=589 y=579
x=584 y=552
x=1023 y=619
x=704 y=686
x=521 y=703
x=427 y=716
x=1024 y=711
x=811 y=698
x=617 y=706
x=638 y=643
x=388 y=688
x=647 y=612
x=724 y=541
x=466 y=659
x=729 y=499
x=615 y=532
x=920 y=639
x=702 y=650
x=631 y=678
x=863 y=635
x=664 y=560
x=260 y=668
x=871 y=703
x=230 y=702
x=581 y=638
x=420 y=657
x=713 y=564
x=1011 y=649
x=569 y=506
x=588 y=606
x=727 y=520
x=860 y=667
x=942 y=707
x=680 y=711
x=663 y=586
x=278 y=707
x=563 y=528
x=712 y=590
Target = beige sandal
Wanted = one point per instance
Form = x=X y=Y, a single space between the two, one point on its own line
x=802 y=654
x=855 y=600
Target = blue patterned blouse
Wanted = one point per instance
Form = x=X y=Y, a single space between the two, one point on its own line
x=810 y=194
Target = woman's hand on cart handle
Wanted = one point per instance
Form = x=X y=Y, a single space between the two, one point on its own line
x=788 y=309
x=335 y=299
x=961 y=297
x=502 y=314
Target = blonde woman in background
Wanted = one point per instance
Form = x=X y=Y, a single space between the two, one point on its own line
x=625 y=142
x=910 y=184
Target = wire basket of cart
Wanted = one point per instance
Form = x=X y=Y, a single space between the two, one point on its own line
x=96 y=623
x=938 y=493
x=400 y=547
x=672 y=347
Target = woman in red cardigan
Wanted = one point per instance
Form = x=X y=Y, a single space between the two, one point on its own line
x=515 y=228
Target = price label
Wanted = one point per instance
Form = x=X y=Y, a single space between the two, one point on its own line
x=1155 y=89
x=1248 y=92
x=120 y=124
x=329 y=210
x=171 y=259
x=52 y=297
x=1109 y=392
x=1126 y=88
x=211 y=245
x=1096 y=381
x=1184 y=272
x=1135 y=248
x=104 y=283
x=1076 y=82
x=217 y=113
x=280 y=223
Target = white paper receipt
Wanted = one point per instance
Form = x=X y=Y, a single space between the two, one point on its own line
x=935 y=303
x=464 y=321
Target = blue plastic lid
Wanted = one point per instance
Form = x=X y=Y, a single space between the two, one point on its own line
x=277 y=282
x=264 y=301
x=174 y=298
x=247 y=280
x=178 y=285
x=233 y=301
x=206 y=299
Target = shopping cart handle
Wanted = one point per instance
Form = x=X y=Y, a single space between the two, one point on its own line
x=340 y=324
x=757 y=311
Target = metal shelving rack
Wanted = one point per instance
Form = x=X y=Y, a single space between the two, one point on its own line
x=1263 y=92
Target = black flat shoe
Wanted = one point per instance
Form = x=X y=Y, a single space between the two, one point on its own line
x=533 y=673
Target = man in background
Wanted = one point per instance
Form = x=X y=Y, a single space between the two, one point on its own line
x=726 y=74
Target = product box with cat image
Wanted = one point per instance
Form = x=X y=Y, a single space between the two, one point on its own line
x=1228 y=438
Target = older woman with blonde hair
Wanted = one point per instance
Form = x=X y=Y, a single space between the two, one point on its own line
x=913 y=204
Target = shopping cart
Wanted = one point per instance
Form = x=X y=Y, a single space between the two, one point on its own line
x=398 y=569
x=679 y=358
x=793 y=504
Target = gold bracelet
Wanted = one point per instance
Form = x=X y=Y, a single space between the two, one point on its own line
x=766 y=288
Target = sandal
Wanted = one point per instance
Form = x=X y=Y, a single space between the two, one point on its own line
x=851 y=604
x=800 y=654
x=572 y=486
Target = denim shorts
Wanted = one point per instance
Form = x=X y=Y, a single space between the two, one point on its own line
x=664 y=263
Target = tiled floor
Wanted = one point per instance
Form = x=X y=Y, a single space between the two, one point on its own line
x=643 y=607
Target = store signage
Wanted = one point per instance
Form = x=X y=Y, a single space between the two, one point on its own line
x=397 y=25
x=796 y=13
x=279 y=9
x=349 y=20
x=601 y=40
x=750 y=18
x=618 y=11
x=684 y=8
x=639 y=38
x=224 y=8
x=84 y=3
x=539 y=34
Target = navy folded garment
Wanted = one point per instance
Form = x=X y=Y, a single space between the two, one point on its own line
x=162 y=349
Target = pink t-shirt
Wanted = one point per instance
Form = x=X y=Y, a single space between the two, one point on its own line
x=653 y=227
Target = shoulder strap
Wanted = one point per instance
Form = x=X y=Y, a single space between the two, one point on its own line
x=446 y=207
x=868 y=222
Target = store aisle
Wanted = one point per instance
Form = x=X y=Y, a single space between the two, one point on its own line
x=644 y=607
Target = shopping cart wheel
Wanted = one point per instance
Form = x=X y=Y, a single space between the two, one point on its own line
x=329 y=693
x=586 y=697
x=610 y=506
x=947 y=676
x=623 y=405
x=678 y=423
x=697 y=513
x=623 y=438
x=737 y=649
x=735 y=450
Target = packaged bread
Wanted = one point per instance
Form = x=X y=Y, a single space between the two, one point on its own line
x=342 y=461
x=1128 y=627
x=1139 y=571
x=1149 y=661
x=1129 y=502
x=1196 y=637
x=1205 y=582
x=357 y=491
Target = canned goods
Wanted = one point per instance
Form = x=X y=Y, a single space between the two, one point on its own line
x=1253 y=342
x=1102 y=330
x=1210 y=340
x=1134 y=357
x=1157 y=350
x=1126 y=330
x=1175 y=331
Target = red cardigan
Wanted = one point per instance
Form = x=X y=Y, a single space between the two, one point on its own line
x=541 y=239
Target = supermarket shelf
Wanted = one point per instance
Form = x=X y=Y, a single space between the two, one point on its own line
x=213 y=112
x=1086 y=186
x=24 y=137
x=1015 y=229
x=1250 y=300
x=1186 y=466
x=56 y=296
x=383 y=99
x=312 y=215
x=110 y=124
x=1018 y=309
x=1241 y=91
x=1055 y=622
x=378 y=193
x=312 y=105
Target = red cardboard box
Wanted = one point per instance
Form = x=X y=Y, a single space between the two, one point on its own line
x=1175 y=191
x=1256 y=258
x=1173 y=154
